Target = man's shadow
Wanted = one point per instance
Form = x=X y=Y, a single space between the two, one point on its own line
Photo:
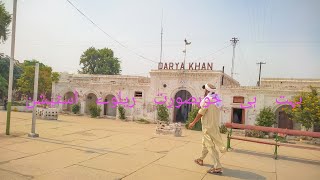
x=239 y=174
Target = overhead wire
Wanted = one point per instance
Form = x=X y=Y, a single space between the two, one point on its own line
x=242 y=57
x=104 y=32
x=219 y=50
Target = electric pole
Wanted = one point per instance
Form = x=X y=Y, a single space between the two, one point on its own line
x=11 y=67
x=234 y=42
x=260 y=63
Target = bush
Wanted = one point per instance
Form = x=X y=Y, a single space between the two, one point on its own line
x=266 y=117
x=75 y=108
x=254 y=133
x=163 y=113
x=94 y=110
x=122 y=112
x=223 y=129
x=192 y=114
x=17 y=103
x=143 y=121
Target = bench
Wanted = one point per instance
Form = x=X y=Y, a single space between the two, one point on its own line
x=278 y=133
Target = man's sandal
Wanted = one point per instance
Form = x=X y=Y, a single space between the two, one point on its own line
x=215 y=171
x=199 y=162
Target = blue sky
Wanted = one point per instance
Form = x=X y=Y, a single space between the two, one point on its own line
x=282 y=33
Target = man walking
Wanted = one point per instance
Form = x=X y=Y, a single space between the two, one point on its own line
x=209 y=114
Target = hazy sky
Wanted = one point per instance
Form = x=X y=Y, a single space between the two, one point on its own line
x=283 y=33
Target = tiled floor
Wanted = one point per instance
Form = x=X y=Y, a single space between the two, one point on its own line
x=79 y=147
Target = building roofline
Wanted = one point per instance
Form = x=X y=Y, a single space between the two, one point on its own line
x=290 y=79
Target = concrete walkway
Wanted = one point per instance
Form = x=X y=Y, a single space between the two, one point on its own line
x=78 y=147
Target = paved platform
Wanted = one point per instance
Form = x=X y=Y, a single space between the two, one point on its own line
x=79 y=147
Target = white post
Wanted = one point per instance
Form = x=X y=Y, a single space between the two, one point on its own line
x=13 y=40
x=35 y=97
x=82 y=107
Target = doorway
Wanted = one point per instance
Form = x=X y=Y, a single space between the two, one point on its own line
x=108 y=110
x=238 y=116
x=283 y=118
x=284 y=121
x=181 y=114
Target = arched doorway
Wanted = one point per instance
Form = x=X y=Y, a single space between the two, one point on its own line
x=90 y=99
x=181 y=114
x=68 y=95
x=108 y=110
x=282 y=118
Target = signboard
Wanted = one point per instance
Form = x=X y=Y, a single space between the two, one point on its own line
x=182 y=66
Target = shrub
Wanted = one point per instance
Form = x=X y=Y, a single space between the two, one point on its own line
x=122 y=112
x=17 y=103
x=223 y=129
x=94 y=110
x=75 y=108
x=143 y=121
x=192 y=114
x=163 y=113
x=266 y=117
x=254 y=133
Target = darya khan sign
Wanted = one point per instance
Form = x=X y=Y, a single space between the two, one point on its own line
x=182 y=66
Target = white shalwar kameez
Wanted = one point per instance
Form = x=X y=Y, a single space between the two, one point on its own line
x=211 y=133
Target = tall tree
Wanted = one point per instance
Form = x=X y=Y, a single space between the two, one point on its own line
x=46 y=76
x=5 y=20
x=3 y=87
x=4 y=72
x=99 y=61
x=308 y=112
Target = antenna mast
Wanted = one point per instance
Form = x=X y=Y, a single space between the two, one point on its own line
x=161 y=36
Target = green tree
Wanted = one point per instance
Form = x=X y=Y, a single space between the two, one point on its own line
x=75 y=108
x=46 y=76
x=192 y=114
x=5 y=20
x=4 y=74
x=266 y=117
x=55 y=76
x=122 y=113
x=94 y=110
x=308 y=112
x=163 y=113
x=3 y=87
x=99 y=61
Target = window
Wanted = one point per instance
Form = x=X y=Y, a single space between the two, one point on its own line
x=137 y=94
x=238 y=99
